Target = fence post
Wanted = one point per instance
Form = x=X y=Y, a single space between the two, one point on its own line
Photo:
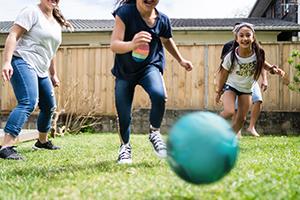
x=281 y=63
x=206 y=74
x=0 y=104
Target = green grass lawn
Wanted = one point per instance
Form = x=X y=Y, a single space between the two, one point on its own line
x=85 y=168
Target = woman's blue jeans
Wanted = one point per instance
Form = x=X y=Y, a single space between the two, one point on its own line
x=153 y=83
x=30 y=91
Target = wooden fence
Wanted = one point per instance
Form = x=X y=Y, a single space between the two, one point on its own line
x=87 y=83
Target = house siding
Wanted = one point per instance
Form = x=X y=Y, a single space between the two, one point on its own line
x=181 y=37
x=275 y=10
x=292 y=14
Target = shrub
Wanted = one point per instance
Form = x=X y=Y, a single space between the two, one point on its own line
x=294 y=61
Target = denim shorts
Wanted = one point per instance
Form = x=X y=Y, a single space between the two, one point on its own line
x=238 y=93
x=256 y=93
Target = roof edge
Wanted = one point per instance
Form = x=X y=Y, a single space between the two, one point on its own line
x=259 y=8
x=229 y=28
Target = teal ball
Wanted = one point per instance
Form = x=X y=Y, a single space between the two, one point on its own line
x=202 y=147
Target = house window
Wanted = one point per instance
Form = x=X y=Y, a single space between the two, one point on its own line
x=273 y=11
x=284 y=7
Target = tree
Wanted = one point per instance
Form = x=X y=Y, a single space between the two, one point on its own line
x=241 y=12
x=294 y=61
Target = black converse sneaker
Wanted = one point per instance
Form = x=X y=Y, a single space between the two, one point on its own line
x=10 y=153
x=158 y=143
x=125 y=154
x=47 y=145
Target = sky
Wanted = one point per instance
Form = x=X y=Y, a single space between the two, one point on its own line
x=101 y=9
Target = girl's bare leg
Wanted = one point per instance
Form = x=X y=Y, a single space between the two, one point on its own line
x=244 y=102
x=228 y=104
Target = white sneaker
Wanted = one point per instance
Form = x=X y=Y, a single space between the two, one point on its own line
x=158 y=144
x=125 y=154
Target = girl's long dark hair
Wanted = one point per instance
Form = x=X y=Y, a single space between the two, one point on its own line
x=120 y=3
x=260 y=57
x=58 y=16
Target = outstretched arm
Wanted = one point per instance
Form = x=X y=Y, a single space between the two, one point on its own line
x=170 y=45
x=223 y=76
x=273 y=69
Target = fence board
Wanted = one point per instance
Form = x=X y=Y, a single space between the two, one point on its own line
x=272 y=95
x=99 y=80
x=87 y=82
x=213 y=63
x=196 y=84
x=291 y=100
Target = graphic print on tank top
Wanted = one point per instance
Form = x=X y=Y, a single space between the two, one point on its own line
x=247 y=69
x=141 y=53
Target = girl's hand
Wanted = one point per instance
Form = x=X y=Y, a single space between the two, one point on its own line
x=186 y=64
x=280 y=72
x=141 y=38
x=264 y=85
x=285 y=79
x=276 y=70
x=218 y=97
x=7 y=71
x=55 y=81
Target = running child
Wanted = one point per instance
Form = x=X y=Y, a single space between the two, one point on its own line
x=138 y=37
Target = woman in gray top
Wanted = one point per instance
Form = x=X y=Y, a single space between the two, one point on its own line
x=28 y=56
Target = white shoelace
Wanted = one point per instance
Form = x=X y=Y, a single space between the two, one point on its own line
x=157 y=141
x=125 y=152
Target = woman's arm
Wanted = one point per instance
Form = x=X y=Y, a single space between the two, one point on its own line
x=10 y=45
x=53 y=75
x=170 y=45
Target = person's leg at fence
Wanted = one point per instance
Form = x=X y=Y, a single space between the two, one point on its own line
x=255 y=109
x=153 y=84
x=25 y=85
x=47 y=105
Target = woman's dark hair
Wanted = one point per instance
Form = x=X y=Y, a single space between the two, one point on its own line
x=58 y=16
x=120 y=3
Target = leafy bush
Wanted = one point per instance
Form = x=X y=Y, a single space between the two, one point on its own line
x=78 y=121
x=294 y=61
